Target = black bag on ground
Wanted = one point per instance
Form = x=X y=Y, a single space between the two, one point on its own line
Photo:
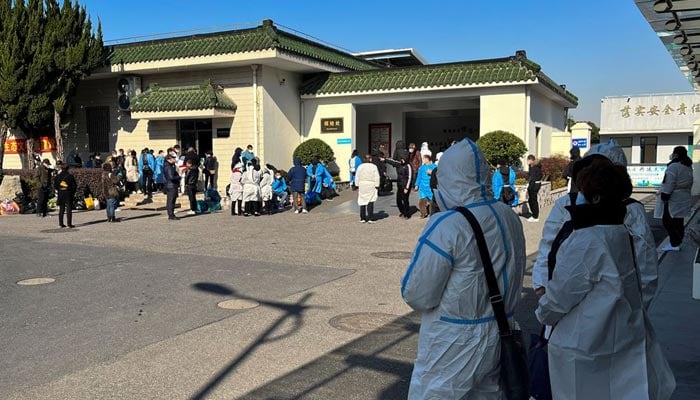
x=538 y=364
x=514 y=376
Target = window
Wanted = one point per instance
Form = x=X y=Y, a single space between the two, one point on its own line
x=195 y=133
x=690 y=146
x=647 y=145
x=97 y=123
x=626 y=144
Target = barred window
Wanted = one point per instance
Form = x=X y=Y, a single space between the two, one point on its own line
x=97 y=122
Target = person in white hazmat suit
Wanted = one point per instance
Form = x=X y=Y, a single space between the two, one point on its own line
x=635 y=221
x=459 y=341
x=367 y=179
x=602 y=346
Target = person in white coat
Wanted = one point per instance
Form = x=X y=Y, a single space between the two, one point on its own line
x=459 y=341
x=603 y=345
x=673 y=202
x=235 y=190
x=367 y=180
x=425 y=150
x=251 y=188
x=266 y=190
x=558 y=227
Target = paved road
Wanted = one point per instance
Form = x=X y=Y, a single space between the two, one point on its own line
x=133 y=313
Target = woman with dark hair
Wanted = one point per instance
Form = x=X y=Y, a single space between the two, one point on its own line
x=673 y=203
x=574 y=155
x=603 y=345
x=236 y=157
x=251 y=188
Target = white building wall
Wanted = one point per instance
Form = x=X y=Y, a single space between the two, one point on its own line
x=314 y=110
x=549 y=117
x=379 y=114
x=280 y=116
x=505 y=110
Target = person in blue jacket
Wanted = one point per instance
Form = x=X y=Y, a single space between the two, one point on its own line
x=158 y=172
x=147 y=166
x=279 y=191
x=504 y=177
x=353 y=163
x=422 y=186
x=318 y=175
x=297 y=180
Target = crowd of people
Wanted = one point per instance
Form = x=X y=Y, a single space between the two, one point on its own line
x=595 y=276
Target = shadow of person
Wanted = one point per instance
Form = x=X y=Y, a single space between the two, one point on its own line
x=294 y=311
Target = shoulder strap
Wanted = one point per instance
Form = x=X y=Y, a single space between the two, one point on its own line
x=566 y=230
x=629 y=201
x=491 y=281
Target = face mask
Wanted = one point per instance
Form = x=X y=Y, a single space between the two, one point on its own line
x=410 y=150
x=580 y=199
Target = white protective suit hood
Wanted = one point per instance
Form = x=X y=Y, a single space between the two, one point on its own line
x=425 y=150
x=463 y=176
x=611 y=150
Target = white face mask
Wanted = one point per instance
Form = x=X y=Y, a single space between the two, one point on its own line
x=410 y=150
x=581 y=199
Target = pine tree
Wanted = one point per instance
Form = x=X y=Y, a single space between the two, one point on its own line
x=45 y=50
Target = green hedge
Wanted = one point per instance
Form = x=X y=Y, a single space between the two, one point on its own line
x=313 y=148
x=502 y=146
x=84 y=178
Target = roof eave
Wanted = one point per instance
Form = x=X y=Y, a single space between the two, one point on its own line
x=184 y=114
x=417 y=89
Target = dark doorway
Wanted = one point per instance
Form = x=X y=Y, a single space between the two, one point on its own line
x=196 y=133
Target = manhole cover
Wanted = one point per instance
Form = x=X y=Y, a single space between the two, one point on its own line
x=59 y=230
x=370 y=322
x=238 y=304
x=36 y=281
x=394 y=255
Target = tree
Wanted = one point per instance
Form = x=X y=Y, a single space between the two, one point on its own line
x=502 y=147
x=45 y=50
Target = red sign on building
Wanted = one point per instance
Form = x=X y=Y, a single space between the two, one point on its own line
x=43 y=144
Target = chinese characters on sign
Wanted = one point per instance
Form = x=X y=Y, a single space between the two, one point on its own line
x=657 y=110
x=648 y=176
x=43 y=144
x=331 y=125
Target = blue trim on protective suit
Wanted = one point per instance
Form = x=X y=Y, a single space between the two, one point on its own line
x=437 y=249
x=507 y=250
x=477 y=165
x=481 y=203
x=472 y=321
x=418 y=249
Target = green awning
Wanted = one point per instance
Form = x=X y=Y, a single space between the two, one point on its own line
x=202 y=101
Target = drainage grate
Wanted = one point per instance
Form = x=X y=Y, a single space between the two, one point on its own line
x=371 y=322
x=393 y=255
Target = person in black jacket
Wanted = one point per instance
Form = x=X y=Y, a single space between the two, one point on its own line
x=574 y=155
x=43 y=175
x=534 y=182
x=404 y=179
x=66 y=187
x=191 y=178
x=172 y=184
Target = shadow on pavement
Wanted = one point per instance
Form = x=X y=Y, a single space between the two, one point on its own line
x=294 y=311
x=378 y=365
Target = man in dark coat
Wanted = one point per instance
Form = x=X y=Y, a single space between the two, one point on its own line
x=404 y=180
x=534 y=182
x=297 y=179
x=43 y=175
x=66 y=187
x=172 y=184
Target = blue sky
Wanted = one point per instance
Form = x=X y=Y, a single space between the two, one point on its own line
x=596 y=47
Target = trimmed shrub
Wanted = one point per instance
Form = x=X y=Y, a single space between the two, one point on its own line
x=559 y=183
x=88 y=181
x=312 y=148
x=553 y=168
x=502 y=146
x=520 y=181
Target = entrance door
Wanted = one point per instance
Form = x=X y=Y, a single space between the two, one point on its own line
x=196 y=133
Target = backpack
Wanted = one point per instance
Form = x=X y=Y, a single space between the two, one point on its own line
x=144 y=161
x=507 y=193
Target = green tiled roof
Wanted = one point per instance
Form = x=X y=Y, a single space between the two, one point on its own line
x=502 y=70
x=204 y=97
x=264 y=37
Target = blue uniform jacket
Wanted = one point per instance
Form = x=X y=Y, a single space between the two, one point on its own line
x=279 y=185
x=423 y=181
x=497 y=185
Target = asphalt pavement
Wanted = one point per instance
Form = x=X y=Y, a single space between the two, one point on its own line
x=317 y=314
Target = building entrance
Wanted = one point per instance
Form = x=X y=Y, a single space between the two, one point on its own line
x=195 y=133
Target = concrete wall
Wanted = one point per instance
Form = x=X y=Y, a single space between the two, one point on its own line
x=379 y=114
x=549 y=117
x=280 y=116
x=314 y=110
x=560 y=144
x=505 y=110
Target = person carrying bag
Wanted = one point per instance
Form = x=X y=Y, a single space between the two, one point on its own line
x=514 y=376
